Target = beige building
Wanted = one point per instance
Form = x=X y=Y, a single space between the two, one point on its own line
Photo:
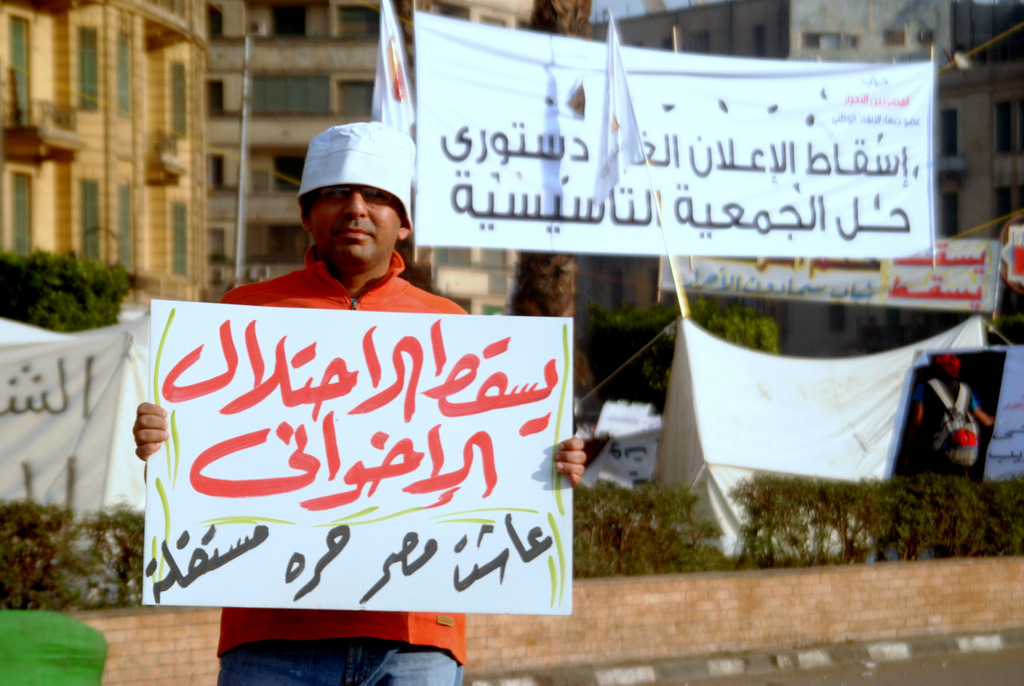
x=103 y=137
x=312 y=65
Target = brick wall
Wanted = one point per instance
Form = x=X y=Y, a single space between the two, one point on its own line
x=643 y=618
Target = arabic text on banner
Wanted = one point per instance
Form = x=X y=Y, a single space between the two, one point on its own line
x=748 y=157
x=359 y=460
x=961 y=276
x=1005 y=458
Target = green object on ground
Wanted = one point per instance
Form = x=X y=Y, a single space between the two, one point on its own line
x=41 y=648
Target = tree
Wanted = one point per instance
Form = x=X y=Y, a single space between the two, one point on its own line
x=61 y=293
x=617 y=336
x=546 y=282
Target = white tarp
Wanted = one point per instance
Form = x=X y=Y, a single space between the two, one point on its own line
x=67 y=403
x=747 y=156
x=731 y=412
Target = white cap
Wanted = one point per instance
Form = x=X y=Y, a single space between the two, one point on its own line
x=362 y=153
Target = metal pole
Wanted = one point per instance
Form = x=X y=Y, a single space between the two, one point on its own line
x=243 y=165
x=3 y=173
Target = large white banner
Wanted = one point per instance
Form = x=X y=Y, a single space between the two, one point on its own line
x=359 y=460
x=755 y=158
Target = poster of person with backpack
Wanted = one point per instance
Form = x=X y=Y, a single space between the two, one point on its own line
x=947 y=425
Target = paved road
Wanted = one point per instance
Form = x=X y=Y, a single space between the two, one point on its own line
x=970 y=660
x=999 y=668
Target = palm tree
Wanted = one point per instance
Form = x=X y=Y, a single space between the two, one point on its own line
x=546 y=282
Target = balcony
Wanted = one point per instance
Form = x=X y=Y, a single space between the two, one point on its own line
x=163 y=166
x=41 y=132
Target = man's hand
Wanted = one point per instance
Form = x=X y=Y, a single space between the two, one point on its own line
x=571 y=459
x=150 y=429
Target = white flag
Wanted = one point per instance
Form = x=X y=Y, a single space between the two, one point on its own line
x=392 y=92
x=620 y=136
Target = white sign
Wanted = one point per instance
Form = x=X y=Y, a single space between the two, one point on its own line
x=1013 y=257
x=746 y=157
x=359 y=460
x=628 y=460
x=962 y=275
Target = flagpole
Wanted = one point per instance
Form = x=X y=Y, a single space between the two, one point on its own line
x=684 y=306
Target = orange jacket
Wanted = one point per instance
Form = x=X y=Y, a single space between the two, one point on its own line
x=314 y=287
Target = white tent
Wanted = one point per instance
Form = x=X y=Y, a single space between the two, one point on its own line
x=67 y=404
x=731 y=412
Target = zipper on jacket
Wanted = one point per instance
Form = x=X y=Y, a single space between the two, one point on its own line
x=355 y=304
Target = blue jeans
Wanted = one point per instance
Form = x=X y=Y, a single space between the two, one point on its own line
x=340 y=662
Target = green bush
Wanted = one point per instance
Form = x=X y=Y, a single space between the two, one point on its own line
x=116 y=537
x=737 y=324
x=39 y=557
x=615 y=337
x=51 y=560
x=792 y=521
x=646 y=530
x=1011 y=326
x=60 y=293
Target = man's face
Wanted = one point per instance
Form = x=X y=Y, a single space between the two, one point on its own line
x=355 y=229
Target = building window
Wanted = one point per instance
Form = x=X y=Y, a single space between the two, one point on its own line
x=286 y=243
x=214 y=22
x=179 y=214
x=217 y=240
x=454 y=257
x=760 y=41
x=216 y=171
x=291 y=95
x=1004 y=201
x=1020 y=129
x=701 y=42
x=21 y=211
x=948 y=143
x=950 y=215
x=91 y=218
x=215 y=97
x=88 y=81
x=497 y=284
x=1002 y=123
x=492 y=259
x=124 y=224
x=124 y=75
x=355 y=97
x=894 y=38
x=829 y=41
x=287 y=173
x=447 y=10
x=19 y=70
x=358 y=23
x=289 y=20
x=178 y=100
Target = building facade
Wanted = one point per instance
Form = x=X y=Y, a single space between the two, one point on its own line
x=312 y=65
x=103 y=137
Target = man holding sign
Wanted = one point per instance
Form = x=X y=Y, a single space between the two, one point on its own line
x=354 y=198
